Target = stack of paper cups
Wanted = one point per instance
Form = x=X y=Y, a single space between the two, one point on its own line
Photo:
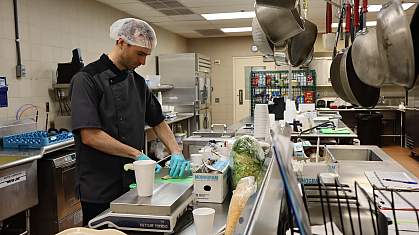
x=261 y=121
x=272 y=120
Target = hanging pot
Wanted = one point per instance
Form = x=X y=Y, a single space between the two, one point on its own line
x=335 y=77
x=395 y=44
x=414 y=29
x=260 y=40
x=366 y=58
x=290 y=4
x=279 y=24
x=365 y=55
x=357 y=92
x=300 y=46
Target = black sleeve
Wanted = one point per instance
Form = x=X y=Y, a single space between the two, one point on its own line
x=84 y=102
x=153 y=114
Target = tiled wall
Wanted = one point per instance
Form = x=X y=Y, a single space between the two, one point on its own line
x=49 y=30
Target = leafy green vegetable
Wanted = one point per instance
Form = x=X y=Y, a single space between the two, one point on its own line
x=246 y=154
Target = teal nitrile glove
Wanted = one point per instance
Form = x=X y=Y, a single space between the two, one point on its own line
x=145 y=157
x=178 y=165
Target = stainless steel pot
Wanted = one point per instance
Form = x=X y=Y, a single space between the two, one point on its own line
x=300 y=46
x=260 y=40
x=344 y=80
x=279 y=24
x=366 y=58
x=358 y=92
x=335 y=77
x=278 y=3
x=395 y=44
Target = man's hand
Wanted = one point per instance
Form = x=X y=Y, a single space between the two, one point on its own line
x=142 y=156
x=178 y=165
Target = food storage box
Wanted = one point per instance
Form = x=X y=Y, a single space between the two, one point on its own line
x=211 y=187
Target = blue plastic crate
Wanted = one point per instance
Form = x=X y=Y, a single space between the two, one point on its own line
x=35 y=140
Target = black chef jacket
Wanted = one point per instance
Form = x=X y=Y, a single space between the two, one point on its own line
x=119 y=103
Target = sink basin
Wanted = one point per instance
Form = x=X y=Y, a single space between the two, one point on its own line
x=353 y=153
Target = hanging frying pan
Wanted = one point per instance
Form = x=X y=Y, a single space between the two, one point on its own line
x=300 y=46
x=365 y=55
x=260 y=40
x=365 y=95
x=335 y=77
x=414 y=28
x=349 y=96
x=395 y=44
x=279 y=24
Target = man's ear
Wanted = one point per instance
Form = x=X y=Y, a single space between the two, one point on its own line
x=119 y=43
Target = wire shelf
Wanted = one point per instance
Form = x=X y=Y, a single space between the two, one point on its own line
x=266 y=85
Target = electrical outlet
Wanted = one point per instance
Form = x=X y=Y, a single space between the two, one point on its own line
x=217 y=100
x=20 y=71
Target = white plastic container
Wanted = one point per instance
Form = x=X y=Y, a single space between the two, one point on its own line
x=144 y=176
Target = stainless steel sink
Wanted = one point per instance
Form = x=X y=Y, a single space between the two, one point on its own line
x=353 y=153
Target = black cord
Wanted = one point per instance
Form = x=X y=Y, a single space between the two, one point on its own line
x=324 y=124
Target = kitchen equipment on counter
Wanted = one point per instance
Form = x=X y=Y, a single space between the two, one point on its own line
x=190 y=74
x=365 y=56
x=158 y=213
x=301 y=45
x=276 y=3
x=214 y=132
x=279 y=24
x=395 y=45
x=59 y=207
x=260 y=39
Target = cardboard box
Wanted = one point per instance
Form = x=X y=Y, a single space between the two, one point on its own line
x=211 y=187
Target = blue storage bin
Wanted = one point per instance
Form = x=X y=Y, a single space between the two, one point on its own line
x=35 y=140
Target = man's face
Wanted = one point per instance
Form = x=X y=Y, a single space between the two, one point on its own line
x=133 y=56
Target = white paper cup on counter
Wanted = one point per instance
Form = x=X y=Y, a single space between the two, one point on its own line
x=144 y=176
x=203 y=220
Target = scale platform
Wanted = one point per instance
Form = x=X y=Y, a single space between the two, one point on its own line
x=158 y=213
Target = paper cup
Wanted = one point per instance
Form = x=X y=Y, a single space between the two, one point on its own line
x=203 y=220
x=144 y=176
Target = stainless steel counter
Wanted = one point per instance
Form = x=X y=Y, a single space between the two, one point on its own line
x=14 y=157
x=317 y=134
x=379 y=108
x=264 y=211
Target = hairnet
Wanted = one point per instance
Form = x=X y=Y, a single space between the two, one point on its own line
x=134 y=32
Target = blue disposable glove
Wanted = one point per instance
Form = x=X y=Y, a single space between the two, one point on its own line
x=178 y=165
x=142 y=156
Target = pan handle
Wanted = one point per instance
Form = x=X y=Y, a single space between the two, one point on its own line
x=342 y=12
x=329 y=17
x=356 y=15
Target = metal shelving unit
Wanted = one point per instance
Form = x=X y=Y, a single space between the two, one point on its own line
x=268 y=84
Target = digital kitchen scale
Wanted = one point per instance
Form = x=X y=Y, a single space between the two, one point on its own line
x=158 y=213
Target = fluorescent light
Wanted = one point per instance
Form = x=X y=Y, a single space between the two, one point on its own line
x=369 y=24
x=377 y=8
x=236 y=30
x=229 y=15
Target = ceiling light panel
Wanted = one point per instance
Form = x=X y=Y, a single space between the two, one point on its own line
x=236 y=30
x=229 y=15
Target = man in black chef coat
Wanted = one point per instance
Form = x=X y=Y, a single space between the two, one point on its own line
x=110 y=106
